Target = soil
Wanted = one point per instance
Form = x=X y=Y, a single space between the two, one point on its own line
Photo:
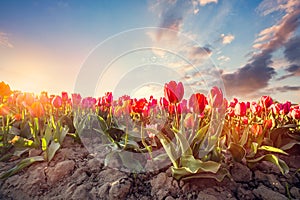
x=75 y=174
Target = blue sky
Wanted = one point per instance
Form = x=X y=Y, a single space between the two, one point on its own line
x=250 y=48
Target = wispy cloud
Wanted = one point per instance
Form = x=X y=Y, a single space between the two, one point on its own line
x=285 y=88
x=4 y=41
x=257 y=73
x=227 y=39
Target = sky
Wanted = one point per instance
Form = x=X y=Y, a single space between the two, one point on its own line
x=248 y=48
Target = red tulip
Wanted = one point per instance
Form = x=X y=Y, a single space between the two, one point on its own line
x=268 y=123
x=255 y=108
x=174 y=92
x=197 y=102
x=189 y=121
x=164 y=102
x=76 y=99
x=295 y=112
x=256 y=130
x=57 y=102
x=216 y=97
x=28 y=99
x=245 y=120
x=64 y=96
x=276 y=108
x=266 y=101
x=240 y=109
x=233 y=102
x=37 y=109
x=88 y=102
x=285 y=109
x=141 y=106
x=43 y=98
x=4 y=110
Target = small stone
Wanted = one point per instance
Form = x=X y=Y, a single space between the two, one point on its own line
x=80 y=192
x=241 y=173
x=169 y=198
x=35 y=152
x=259 y=176
x=103 y=190
x=60 y=170
x=94 y=165
x=119 y=189
x=295 y=192
x=244 y=194
x=273 y=182
x=205 y=196
x=265 y=193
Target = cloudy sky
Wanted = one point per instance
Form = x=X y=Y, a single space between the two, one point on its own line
x=248 y=48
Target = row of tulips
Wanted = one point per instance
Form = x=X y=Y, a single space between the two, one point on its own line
x=199 y=135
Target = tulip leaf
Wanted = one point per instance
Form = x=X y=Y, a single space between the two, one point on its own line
x=53 y=147
x=194 y=166
x=290 y=145
x=237 y=151
x=253 y=151
x=21 y=165
x=244 y=137
x=272 y=149
x=169 y=148
x=284 y=169
x=184 y=145
x=219 y=176
x=130 y=162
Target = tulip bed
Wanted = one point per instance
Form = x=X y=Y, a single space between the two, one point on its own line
x=200 y=135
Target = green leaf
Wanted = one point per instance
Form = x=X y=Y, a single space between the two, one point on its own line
x=63 y=134
x=289 y=145
x=53 y=147
x=272 y=149
x=103 y=124
x=21 y=165
x=244 y=137
x=219 y=176
x=130 y=162
x=253 y=151
x=284 y=169
x=184 y=145
x=169 y=148
x=237 y=151
x=44 y=144
x=196 y=165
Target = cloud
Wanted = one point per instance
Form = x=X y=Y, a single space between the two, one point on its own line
x=293 y=70
x=267 y=7
x=199 y=53
x=292 y=50
x=4 y=42
x=224 y=58
x=285 y=88
x=257 y=73
x=227 y=39
x=171 y=13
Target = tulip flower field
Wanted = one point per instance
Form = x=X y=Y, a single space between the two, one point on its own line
x=200 y=136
